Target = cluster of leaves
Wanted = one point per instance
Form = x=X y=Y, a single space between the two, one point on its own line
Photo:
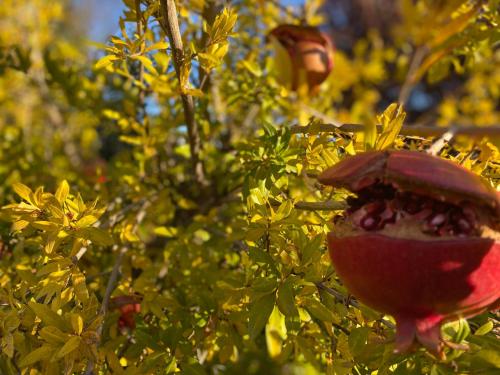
x=233 y=276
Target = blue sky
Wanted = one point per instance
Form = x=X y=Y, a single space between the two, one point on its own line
x=104 y=14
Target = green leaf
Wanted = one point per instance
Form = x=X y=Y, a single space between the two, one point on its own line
x=72 y=344
x=48 y=316
x=484 y=329
x=97 y=235
x=259 y=314
x=286 y=299
x=358 y=340
x=44 y=352
x=319 y=311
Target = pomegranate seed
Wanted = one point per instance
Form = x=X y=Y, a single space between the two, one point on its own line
x=464 y=226
x=437 y=220
x=370 y=222
x=374 y=207
x=424 y=214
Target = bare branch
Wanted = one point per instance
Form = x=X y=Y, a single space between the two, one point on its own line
x=407 y=130
x=170 y=24
x=320 y=206
x=410 y=79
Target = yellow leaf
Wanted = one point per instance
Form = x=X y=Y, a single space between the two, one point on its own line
x=76 y=323
x=19 y=225
x=80 y=286
x=23 y=191
x=72 y=344
x=105 y=61
x=275 y=333
x=45 y=225
x=86 y=221
x=392 y=121
x=62 y=191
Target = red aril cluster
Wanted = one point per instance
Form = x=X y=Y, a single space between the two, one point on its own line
x=379 y=205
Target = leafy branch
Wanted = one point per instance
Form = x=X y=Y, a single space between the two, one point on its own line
x=170 y=24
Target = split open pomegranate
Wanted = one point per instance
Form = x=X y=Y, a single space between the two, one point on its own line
x=419 y=241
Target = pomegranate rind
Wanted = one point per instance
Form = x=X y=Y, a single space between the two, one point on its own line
x=421 y=283
x=414 y=172
x=301 y=33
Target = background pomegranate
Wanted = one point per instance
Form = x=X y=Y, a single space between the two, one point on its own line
x=129 y=306
x=420 y=241
x=310 y=55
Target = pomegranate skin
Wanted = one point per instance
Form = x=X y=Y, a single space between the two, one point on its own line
x=413 y=171
x=310 y=51
x=422 y=283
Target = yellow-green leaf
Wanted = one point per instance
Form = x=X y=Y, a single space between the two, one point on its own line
x=391 y=120
x=48 y=316
x=72 y=344
x=23 y=191
x=42 y=353
x=76 y=323
x=259 y=314
x=62 y=191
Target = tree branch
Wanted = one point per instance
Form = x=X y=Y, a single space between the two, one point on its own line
x=320 y=206
x=170 y=23
x=407 y=130
x=349 y=301
x=410 y=79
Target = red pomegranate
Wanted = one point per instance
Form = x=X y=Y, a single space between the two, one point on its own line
x=129 y=306
x=419 y=241
x=310 y=53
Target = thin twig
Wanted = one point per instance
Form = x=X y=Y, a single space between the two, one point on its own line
x=170 y=23
x=112 y=281
x=349 y=301
x=320 y=206
x=410 y=82
x=105 y=304
x=407 y=130
x=438 y=145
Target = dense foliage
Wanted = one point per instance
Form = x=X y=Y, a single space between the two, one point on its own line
x=209 y=215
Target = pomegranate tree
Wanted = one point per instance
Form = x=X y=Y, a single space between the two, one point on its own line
x=419 y=240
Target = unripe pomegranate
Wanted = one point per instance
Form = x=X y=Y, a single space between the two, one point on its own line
x=129 y=306
x=310 y=54
x=419 y=241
